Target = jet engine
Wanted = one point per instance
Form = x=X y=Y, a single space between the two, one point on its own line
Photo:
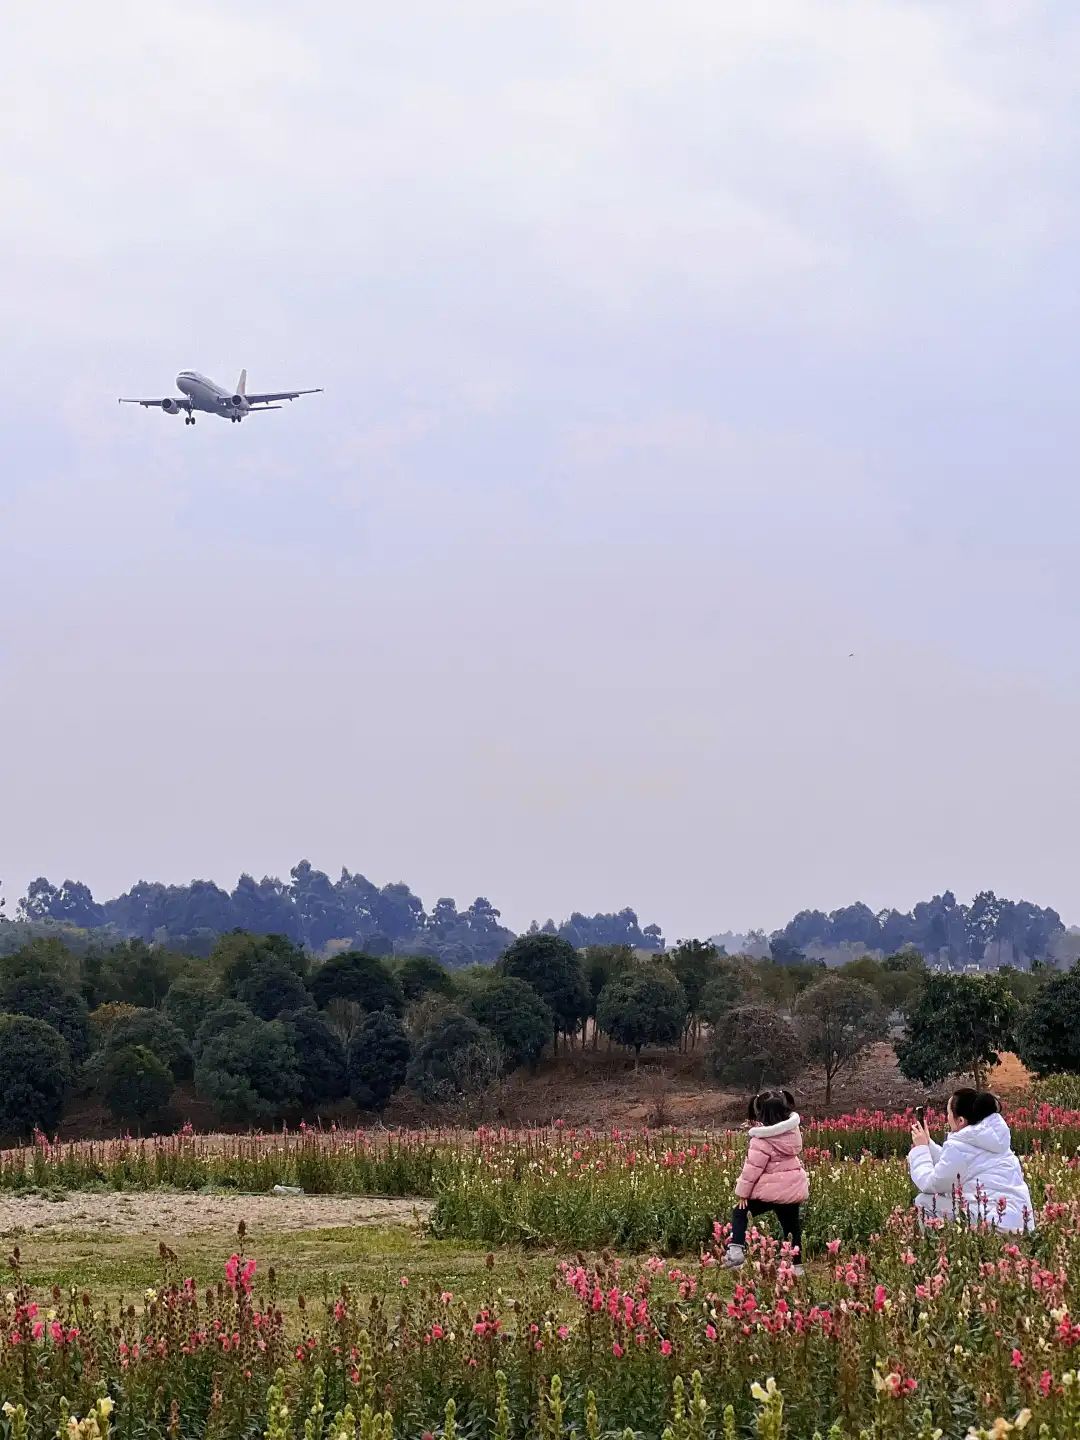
x=238 y=402
x=171 y=407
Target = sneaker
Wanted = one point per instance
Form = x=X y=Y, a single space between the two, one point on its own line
x=735 y=1257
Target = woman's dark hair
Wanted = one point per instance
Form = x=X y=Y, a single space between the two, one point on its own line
x=973 y=1105
x=771 y=1107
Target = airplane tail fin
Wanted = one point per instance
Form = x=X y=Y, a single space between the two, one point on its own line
x=241 y=384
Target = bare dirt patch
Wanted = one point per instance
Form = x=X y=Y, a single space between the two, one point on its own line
x=177 y=1213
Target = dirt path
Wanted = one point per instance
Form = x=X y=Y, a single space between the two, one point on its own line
x=177 y=1213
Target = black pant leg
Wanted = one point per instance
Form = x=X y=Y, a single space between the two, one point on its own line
x=790 y=1217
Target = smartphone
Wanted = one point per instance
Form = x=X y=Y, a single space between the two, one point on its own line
x=920 y=1115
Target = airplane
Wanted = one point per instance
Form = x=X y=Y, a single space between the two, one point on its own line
x=199 y=393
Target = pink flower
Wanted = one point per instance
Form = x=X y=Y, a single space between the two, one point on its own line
x=710 y=1332
x=833 y=1247
x=563 y=1332
x=404 y=1282
x=1017 y=1361
x=617 y=1350
x=665 y=1347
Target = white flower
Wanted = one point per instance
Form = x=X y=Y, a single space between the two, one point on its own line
x=8 y=1408
x=763 y=1393
x=106 y=1405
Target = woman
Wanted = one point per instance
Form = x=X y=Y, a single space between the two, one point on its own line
x=975 y=1171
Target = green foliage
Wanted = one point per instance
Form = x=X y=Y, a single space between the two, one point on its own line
x=320 y=1055
x=754 y=1046
x=421 y=974
x=1061 y=1091
x=47 y=996
x=238 y=955
x=643 y=1005
x=132 y=972
x=693 y=963
x=838 y=1022
x=273 y=988
x=958 y=1025
x=226 y=1015
x=157 y=1033
x=35 y=1070
x=733 y=983
x=361 y=978
x=189 y=1000
x=554 y=969
x=135 y=1084
x=250 y=1072
x=454 y=1059
x=378 y=1060
x=1048 y=1035
x=516 y=1016
x=104 y=1018
x=601 y=964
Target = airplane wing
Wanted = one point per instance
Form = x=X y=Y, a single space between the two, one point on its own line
x=280 y=395
x=154 y=404
x=261 y=408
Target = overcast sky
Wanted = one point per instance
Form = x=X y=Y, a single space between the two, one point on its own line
x=672 y=353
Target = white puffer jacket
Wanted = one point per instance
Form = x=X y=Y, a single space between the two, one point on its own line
x=979 y=1161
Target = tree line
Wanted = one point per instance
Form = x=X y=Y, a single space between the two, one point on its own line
x=262 y=1031
x=312 y=910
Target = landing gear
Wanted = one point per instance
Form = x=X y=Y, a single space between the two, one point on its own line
x=189 y=419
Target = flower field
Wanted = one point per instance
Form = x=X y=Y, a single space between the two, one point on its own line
x=557 y=1187
x=945 y=1333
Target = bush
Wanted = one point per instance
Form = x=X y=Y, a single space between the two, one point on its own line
x=135 y=1084
x=643 y=1005
x=321 y=1057
x=754 y=1046
x=273 y=988
x=250 y=1071
x=555 y=971
x=421 y=975
x=155 y=1031
x=454 y=1059
x=516 y=1016
x=48 y=997
x=35 y=1071
x=189 y=1000
x=1061 y=1091
x=1048 y=1035
x=360 y=978
x=378 y=1060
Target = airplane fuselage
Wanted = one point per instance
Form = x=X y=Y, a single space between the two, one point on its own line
x=208 y=396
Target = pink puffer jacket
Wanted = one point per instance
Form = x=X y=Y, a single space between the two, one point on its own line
x=772 y=1170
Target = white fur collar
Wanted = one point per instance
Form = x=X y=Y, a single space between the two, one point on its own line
x=769 y=1132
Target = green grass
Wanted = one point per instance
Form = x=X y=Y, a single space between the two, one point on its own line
x=368 y=1259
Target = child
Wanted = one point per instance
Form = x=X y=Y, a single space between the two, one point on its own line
x=772 y=1176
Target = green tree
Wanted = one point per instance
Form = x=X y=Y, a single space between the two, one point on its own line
x=35 y=1071
x=226 y=1015
x=839 y=1020
x=422 y=974
x=47 y=997
x=135 y=1084
x=189 y=1000
x=237 y=955
x=156 y=1032
x=1048 y=1035
x=320 y=1055
x=555 y=971
x=132 y=972
x=272 y=989
x=250 y=1072
x=360 y=978
x=693 y=963
x=516 y=1016
x=643 y=1005
x=958 y=1025
x=378 y=1060
x=454 y=1060
x=733 y=984
x=753 y=1046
